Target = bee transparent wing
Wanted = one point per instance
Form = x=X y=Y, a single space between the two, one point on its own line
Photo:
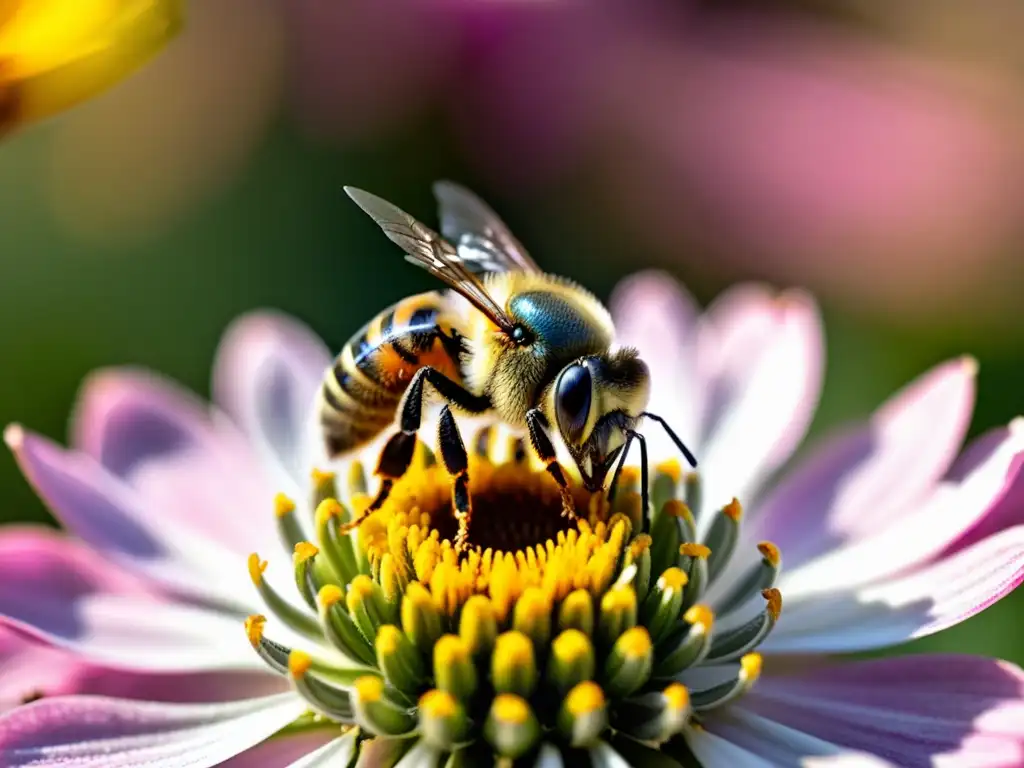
x=483 y=241
x=427 y=249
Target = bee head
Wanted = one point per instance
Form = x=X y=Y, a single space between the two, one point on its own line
x=595 y=400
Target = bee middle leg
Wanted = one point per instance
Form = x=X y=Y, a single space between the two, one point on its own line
x=396 y=457
x=537 y=424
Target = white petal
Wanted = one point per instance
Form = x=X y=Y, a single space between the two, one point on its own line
x=932 y=598
x=653 y=313
x=603 y=756
x=713 y=750
x=762 y=361
x=913 y=538
x=336 y=753
x=95 y=732
x=137 y=633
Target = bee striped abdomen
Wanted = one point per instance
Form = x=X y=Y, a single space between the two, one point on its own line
x=362 y=391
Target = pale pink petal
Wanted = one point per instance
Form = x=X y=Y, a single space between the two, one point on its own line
x=97 y=732
x=294 y=751
x=112 y=518
x=913 y=710
x=266 y=375
x=30 y=670
x=760 y=359
x=184 y=465
x=861 y=481
x=957 y=504
x=931 y=598
x=653 y=313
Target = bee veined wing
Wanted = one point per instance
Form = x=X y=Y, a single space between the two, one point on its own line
x=427 y=249
x=483 y=241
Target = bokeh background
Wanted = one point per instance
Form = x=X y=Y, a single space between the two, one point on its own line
x=871 y=151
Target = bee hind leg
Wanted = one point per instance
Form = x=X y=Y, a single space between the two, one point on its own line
x=537 y=423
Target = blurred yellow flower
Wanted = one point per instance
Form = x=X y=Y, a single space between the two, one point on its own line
x=57 y=53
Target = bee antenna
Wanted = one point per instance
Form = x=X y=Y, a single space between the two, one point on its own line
x=675 y=438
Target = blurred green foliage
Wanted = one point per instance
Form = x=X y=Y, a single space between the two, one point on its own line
x=284 y=235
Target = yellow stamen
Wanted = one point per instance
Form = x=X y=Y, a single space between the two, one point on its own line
x=299 y=663
x=305 y=550
x=257 y=568
x=254 y=628
x=585 y=698
x=678 y=508
x=450 y=650
x=689 y=549
x=438 y=704
x=635 y=643
x=510 y=708
x=283 y=505
x=359 y=591
x=674 y=579
x=733 y=510
x=322 y=479
x=699 y=615
x=570 y=646
x=370 y=688
x=514 y=648
x=640 y=544
x=774 y=598
x=676 y=696
x=751 y=667
x=672 y=468
x=327 y=509
x=619 y=600
x=389 y=638
x=770 y=552
x=329 y=595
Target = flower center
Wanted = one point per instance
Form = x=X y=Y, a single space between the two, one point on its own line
x=547 y=629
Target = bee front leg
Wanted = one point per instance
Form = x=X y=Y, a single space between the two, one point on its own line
x=456 y=462
x=537 y=423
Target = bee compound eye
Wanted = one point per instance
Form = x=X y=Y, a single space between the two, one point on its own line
x=572 y=400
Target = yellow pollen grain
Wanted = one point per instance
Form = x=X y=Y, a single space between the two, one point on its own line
x=674 y=579
x=321 y=478
x=327 y=509
x=678 y=508
x=510 y=708
x=254 y=628
x=388 y=639
x=450 y=650
x=774 y=598
x=299 y=663
x=257 y=568
x=634 y=643
x=640 y=544
x=733 y=510
x=359 y=590
x=629 y=476
x=699 y=614
x=438 y=704
x=689 y=549
x=283 y=505
x=369 y=688
x=305 y=550
x=677 y=697
x=770 y=552
x=390 y=582
x=570 y=646
x=329 y=594
x=514 y=648
x=751 y=666
x=619 y=600
x=585 y=698
x=672 y=468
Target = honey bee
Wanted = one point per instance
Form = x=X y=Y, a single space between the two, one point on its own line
x=534 y=349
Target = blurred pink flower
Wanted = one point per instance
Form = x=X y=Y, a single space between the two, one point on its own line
x=776 y=144
x=887 y=534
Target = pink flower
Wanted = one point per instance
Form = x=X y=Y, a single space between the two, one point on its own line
x=885 y=532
